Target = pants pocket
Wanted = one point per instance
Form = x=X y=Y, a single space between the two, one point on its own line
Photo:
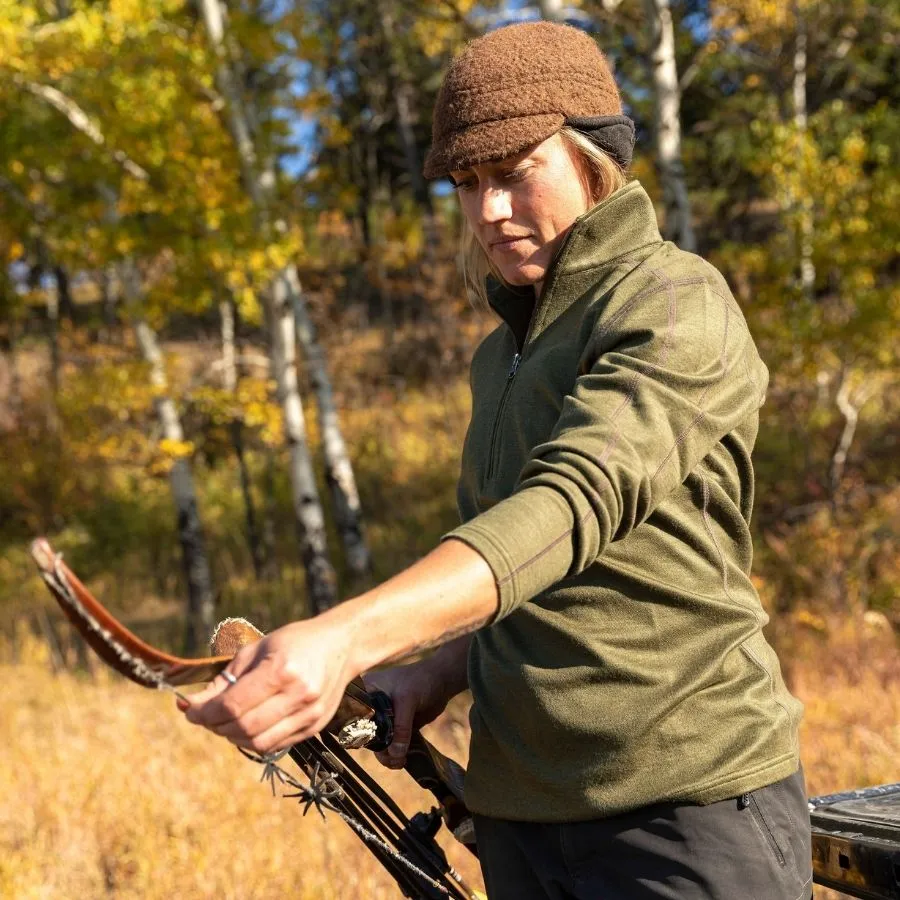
x=766 y=826
x=780 y=818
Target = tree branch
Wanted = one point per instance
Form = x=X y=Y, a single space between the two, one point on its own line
x=80 y=120
x=849 y=403
x=690 y=72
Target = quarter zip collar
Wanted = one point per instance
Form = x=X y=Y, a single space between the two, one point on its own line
x=622 y=226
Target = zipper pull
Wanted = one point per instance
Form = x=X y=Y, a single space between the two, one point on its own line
x=515 y=365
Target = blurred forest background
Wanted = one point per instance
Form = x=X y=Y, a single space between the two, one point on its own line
x=233 y=353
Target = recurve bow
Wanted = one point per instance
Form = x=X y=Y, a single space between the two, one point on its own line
x=406 y=847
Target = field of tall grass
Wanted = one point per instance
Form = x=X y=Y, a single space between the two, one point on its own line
x=106 y=792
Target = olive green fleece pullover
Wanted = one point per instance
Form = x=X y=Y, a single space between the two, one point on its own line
x=606 y=479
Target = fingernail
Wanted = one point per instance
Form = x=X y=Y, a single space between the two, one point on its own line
x=181 y=703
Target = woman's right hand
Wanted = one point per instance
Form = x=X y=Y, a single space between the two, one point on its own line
x=418 y=697
x=419 y=694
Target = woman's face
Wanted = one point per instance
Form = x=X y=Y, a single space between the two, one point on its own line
x=520 y=209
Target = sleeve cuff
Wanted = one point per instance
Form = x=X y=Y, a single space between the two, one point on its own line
x=526 y=539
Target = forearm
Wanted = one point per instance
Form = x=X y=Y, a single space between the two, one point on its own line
x=441 y=599
x=287 y=686
x=449 y=664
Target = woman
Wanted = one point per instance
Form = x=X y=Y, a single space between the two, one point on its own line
x=631 y=733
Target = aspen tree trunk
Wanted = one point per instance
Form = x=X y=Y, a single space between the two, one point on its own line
x=849 y=403
x=200 y=617
x=338 y=468
x=201 y=603
x=667 y=97
x=230 y=381
x=15 y=379
x=308 y=513
x=64 y=293
x=807 y=267
x=309 y=516
x=320 y=578
x=229 y=354
x=403 y=104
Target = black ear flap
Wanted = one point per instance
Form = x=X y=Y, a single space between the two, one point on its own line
x=612 y=134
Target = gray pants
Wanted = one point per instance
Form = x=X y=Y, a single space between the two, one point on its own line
x=755 y=847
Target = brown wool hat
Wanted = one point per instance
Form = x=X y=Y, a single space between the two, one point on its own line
x=515 y=87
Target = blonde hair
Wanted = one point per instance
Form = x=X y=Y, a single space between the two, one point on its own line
x=602 y=177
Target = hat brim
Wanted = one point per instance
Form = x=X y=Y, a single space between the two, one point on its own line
x=489 y=142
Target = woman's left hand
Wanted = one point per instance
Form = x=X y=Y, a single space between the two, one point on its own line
x=288 y=687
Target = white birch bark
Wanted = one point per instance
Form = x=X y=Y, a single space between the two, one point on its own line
x=338 y=468
x=310 y=519
x=200 y=617
x=238 y=120
x=667 y=97
x=81 y=121
x=201 y=602
x=807 y=267
x=169 y=420
x=849 y=403
x=320 y=576
x=229 y=356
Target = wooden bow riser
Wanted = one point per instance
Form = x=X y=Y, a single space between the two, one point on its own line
x=433 y=771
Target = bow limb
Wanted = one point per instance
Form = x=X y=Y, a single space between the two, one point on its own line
x=147 y=665
x=109 y=638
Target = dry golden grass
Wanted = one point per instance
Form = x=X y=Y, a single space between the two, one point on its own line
x=106 y=792
x=849 y=682
x=850 y=735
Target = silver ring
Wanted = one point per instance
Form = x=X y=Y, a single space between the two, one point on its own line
x=231 y=679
